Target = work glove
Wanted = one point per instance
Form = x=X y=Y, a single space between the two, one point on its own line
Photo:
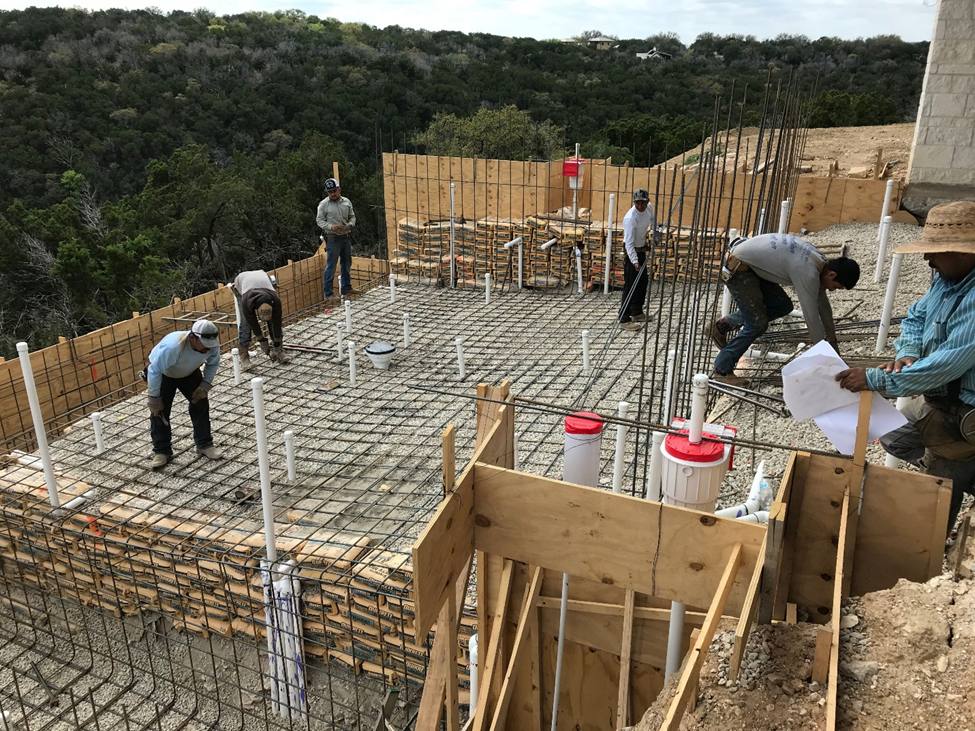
x=265 y=347
x=156 y=406
x=200 y=392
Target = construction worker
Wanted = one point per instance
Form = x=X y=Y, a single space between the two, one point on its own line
x=754 y=272
x=175 y=364
x=336 y=219
x=257 y=303
x=637 y=221
x=935 y=357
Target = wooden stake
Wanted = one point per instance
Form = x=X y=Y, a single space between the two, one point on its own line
x=449 y=463
x=960 y=546
x=490 y=662
x=820 y=669
x=626 y=649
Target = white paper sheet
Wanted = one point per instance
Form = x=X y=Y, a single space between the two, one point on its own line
x=840 y=425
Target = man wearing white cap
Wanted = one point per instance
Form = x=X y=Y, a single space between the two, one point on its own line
x=935 y=358
x=174 y=364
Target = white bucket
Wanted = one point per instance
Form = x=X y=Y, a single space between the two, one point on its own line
x=381 y=354
x=583 y=432
x=691 y=475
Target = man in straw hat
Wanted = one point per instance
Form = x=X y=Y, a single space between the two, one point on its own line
x=935 y=358
x=258 y=304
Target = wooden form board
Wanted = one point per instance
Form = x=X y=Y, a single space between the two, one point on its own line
x=91 y=371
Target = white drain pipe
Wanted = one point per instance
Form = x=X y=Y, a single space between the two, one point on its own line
x=267 y=499
x=878 y=271
x=235 y=359
x=618 y=464
x=520 y=243
x=96 y=422
x=351 y=346
x=888 y=311
x=348 y=317
x=885 y=210
x=758 y=353
x=453 y=238
x=487 y=288
x=549 y=244
x=585 y=352
x=406 y=329
x=759 y=498
x=459 y=345
x=339 y=344
x=610 y=219
x=784 y=211
x=392 y=288
x=472 y=671
x=699 y=404
x=901 y=403
x=761 y=221
x=579 y=269
x=656 y=466
x=37 y=416
x=289 y=453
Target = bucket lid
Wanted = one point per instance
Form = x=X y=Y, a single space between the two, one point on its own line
x=380 y=347
x=584 y=422
x=679 y=446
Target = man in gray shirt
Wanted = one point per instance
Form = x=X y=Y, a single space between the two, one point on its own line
x=336 y=219
x=755 y=271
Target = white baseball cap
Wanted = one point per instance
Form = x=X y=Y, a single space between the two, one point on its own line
x=207 y=332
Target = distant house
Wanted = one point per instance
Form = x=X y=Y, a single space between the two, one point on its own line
x=653 y=53
x=601 y=43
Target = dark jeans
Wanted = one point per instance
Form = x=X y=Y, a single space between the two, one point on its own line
x=339 y=249
x=759 y=302
x=159 y=427
x=634 y=287
x=245 y=333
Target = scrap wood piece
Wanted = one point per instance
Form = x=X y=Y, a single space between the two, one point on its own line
x=695 y=659
x=518 y=648
x=492 y=656
x=748 y=612
x=626 y=651
x=653 y=614
x=848 y=532
x=834 y=645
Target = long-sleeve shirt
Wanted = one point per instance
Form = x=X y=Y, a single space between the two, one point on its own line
x=254 y=279
x=939 y=331
x=635 y=227
x=789 y=261
x=174 y=357
x=332 y=213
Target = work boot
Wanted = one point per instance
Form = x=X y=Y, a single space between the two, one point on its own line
x=719 y=332
x=632 y=326
x=279 y=356
x=210 y=452
x=641 y=317
x=729 y=379
x=245 y=359
x=159 y=461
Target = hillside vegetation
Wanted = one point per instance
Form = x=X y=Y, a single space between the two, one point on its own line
x=145 y=155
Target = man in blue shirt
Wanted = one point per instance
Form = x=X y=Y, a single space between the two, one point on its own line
x=174 y=364
x=935 y=357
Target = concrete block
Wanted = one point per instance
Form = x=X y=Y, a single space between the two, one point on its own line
x=950 y=51
x=933 y=156
x=949 y=135
x=948 y=105
x=930 y=175
x=955 y=122
x=963 y=164
x=959 y=69
x=955 y=10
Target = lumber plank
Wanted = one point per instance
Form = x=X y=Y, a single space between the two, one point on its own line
x=626 y=651
x=519 y=648
x=654 y=614
x=609 y=538
x=820 y=669
x=748 y=612
x=695 y=658
x=489 y=666
x=833 y=679
x=449 y=458
x=774 y=553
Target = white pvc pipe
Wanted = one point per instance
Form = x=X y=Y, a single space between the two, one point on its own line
x=351 y=346
x=882 y=249
x=758 y=498
x=453 y=259
x=608 y=262
x=348 y=317
x=579 y=269
x=699 y=402
x=472 y=671
x=885 y=210
x=770 y=355
x=559 y=653
x=459 y=345
x=885 y=315
x=761 y=221
x=235 y=359
x=901 y=403
x=585 y=352
x=549 y=244
x=675 y=643
x=96 y=422
x=784 y=217
x=339 y=344
x=725 y=301
x=289 y=453
x=575 y=188
x=618 y=465
x=654 y=477
x=406 y=329
x=267 y=499
x=487 y=288
x=669 y=387
x=37 y=416
x=392 y=288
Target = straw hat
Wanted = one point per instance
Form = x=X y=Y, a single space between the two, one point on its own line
x=950 y=227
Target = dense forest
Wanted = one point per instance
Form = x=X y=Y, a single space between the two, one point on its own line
x=145 y=155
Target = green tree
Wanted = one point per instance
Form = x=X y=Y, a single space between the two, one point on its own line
x=506 y=133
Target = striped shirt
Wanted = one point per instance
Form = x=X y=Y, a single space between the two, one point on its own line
x=939 y=331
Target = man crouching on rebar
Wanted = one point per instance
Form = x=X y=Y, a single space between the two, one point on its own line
x=175 y=364
x=258 y=306
x=936 y=358
x=754 y=272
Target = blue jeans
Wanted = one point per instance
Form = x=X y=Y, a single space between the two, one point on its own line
x=159 y=427
x=339 y=248
x=759 y=302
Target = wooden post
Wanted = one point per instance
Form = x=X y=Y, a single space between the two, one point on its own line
x=626 y=650
x=449 y=463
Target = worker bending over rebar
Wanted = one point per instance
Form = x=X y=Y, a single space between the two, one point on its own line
x=637 y=221
x=258 y=307
x=935 y=358
x=174 y=364
x=754 y=272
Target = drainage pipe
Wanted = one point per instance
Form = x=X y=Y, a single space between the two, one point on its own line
x=579 y=269
x=472 y=671
x=618 y=465
x=784 y=216
x=575 y=188
x=901 y=403
x=37 y=417
x=96 y=422
x=520 y=243
x=675 y=632
x=885 y=210
x=406 y=329
x=699 y=403
x=339 y=345
x=453 y=238
x=351 y=346
x=608 y=261
x=348 y=317
x=882 y=249
x=761 y=222
x=459 y=344
x=885 y=315
x=235 y=359
x=759 y=498
x=656 y=466
x=768 y=355
x=549 y=244
x=487 y=288
x=289 y=453
x=585 y=352
x=392 y=288
x=267 y=499
x=759 y=516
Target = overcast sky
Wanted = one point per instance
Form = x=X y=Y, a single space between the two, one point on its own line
x=913 y=20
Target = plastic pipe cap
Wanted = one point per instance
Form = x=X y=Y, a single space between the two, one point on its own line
x=584 y=422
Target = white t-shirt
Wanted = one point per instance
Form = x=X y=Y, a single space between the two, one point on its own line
x=635 y=227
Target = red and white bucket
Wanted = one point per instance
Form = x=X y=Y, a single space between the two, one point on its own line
x=692 y=473
x=583 y=435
